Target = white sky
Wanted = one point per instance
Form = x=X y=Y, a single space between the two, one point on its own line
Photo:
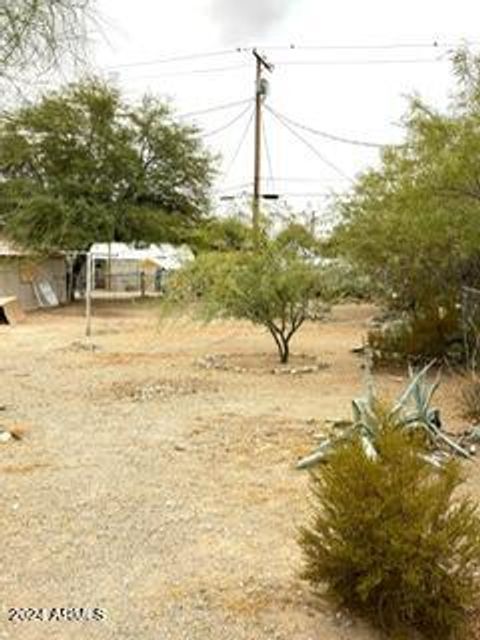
x=360 y=101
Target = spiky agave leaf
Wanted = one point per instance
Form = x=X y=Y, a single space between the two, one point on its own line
x=411 y=389
x=319 y=455
x=411 y=411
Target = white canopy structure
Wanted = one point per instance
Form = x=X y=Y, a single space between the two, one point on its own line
x=120 y=267
x=165 y=256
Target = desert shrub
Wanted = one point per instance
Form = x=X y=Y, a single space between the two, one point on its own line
x=347 y=281
x=214 y=234
x=272 y=287
x=389 y=541
x=297 y=237
x=470 y=396
x=417 y=339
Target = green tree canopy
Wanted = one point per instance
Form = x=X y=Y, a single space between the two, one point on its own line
x=82 y=166
x=413 y=224
x=272 y=286
x=221 y=234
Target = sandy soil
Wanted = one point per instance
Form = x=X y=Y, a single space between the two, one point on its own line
x=163 y=490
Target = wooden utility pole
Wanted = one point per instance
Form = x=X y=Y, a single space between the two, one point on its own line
x=260 y=93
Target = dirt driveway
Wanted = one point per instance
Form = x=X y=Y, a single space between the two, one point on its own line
x=157 y=483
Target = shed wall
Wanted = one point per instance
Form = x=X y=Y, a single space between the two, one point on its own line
x=17 y=275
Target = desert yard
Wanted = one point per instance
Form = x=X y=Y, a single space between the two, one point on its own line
x=155 y=479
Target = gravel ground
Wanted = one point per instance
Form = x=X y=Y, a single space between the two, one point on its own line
x=160 y=488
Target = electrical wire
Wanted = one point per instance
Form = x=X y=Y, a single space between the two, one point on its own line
x=179 y=58
x=185 y=57
x=230 y=123
x=366 y=62
x=435 y=44
x=240 y=144
x=220 y=107
x=191 y=72
x=268 y=156
x=283 y=179
x=308 y=194
x=234 y=187
x=328 y=136
x=312 y=148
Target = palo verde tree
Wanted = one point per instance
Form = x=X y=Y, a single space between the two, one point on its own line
x=36 y=35
x=412 y=224
x=272 y=286
x=82 y=166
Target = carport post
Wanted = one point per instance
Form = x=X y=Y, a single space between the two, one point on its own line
x=88 y=296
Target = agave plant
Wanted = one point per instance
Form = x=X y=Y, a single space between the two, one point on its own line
x=411 y=411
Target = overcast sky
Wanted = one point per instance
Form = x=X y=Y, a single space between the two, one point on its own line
x=356 y=92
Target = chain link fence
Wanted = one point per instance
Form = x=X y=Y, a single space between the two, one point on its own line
x=125 y=284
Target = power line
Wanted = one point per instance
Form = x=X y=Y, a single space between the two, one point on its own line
x=328 y=136
x=191 y=72
x=293 y=194
x=311 y=180
x=179 y=58
x=240 y=144
x=185 y=57
x=269 y=158
x=366 y=62
x=277 y=179
x=434 y=44
x=235 y=187
x=312 y=148
x=308 y=194
x=230 y=123
x=220 y=107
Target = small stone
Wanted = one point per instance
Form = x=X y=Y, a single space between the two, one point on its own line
x=358 y=349
x=180 y=447
x=5 y=436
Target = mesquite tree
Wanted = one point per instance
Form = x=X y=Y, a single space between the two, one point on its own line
x=82 y=166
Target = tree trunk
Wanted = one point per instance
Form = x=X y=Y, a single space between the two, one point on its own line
x=285 y=351
x=282 y=342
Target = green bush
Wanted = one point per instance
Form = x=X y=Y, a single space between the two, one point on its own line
x=390 y=542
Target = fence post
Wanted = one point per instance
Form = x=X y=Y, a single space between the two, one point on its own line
x=88 y=296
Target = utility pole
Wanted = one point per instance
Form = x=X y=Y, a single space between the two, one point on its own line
x=260 y=94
